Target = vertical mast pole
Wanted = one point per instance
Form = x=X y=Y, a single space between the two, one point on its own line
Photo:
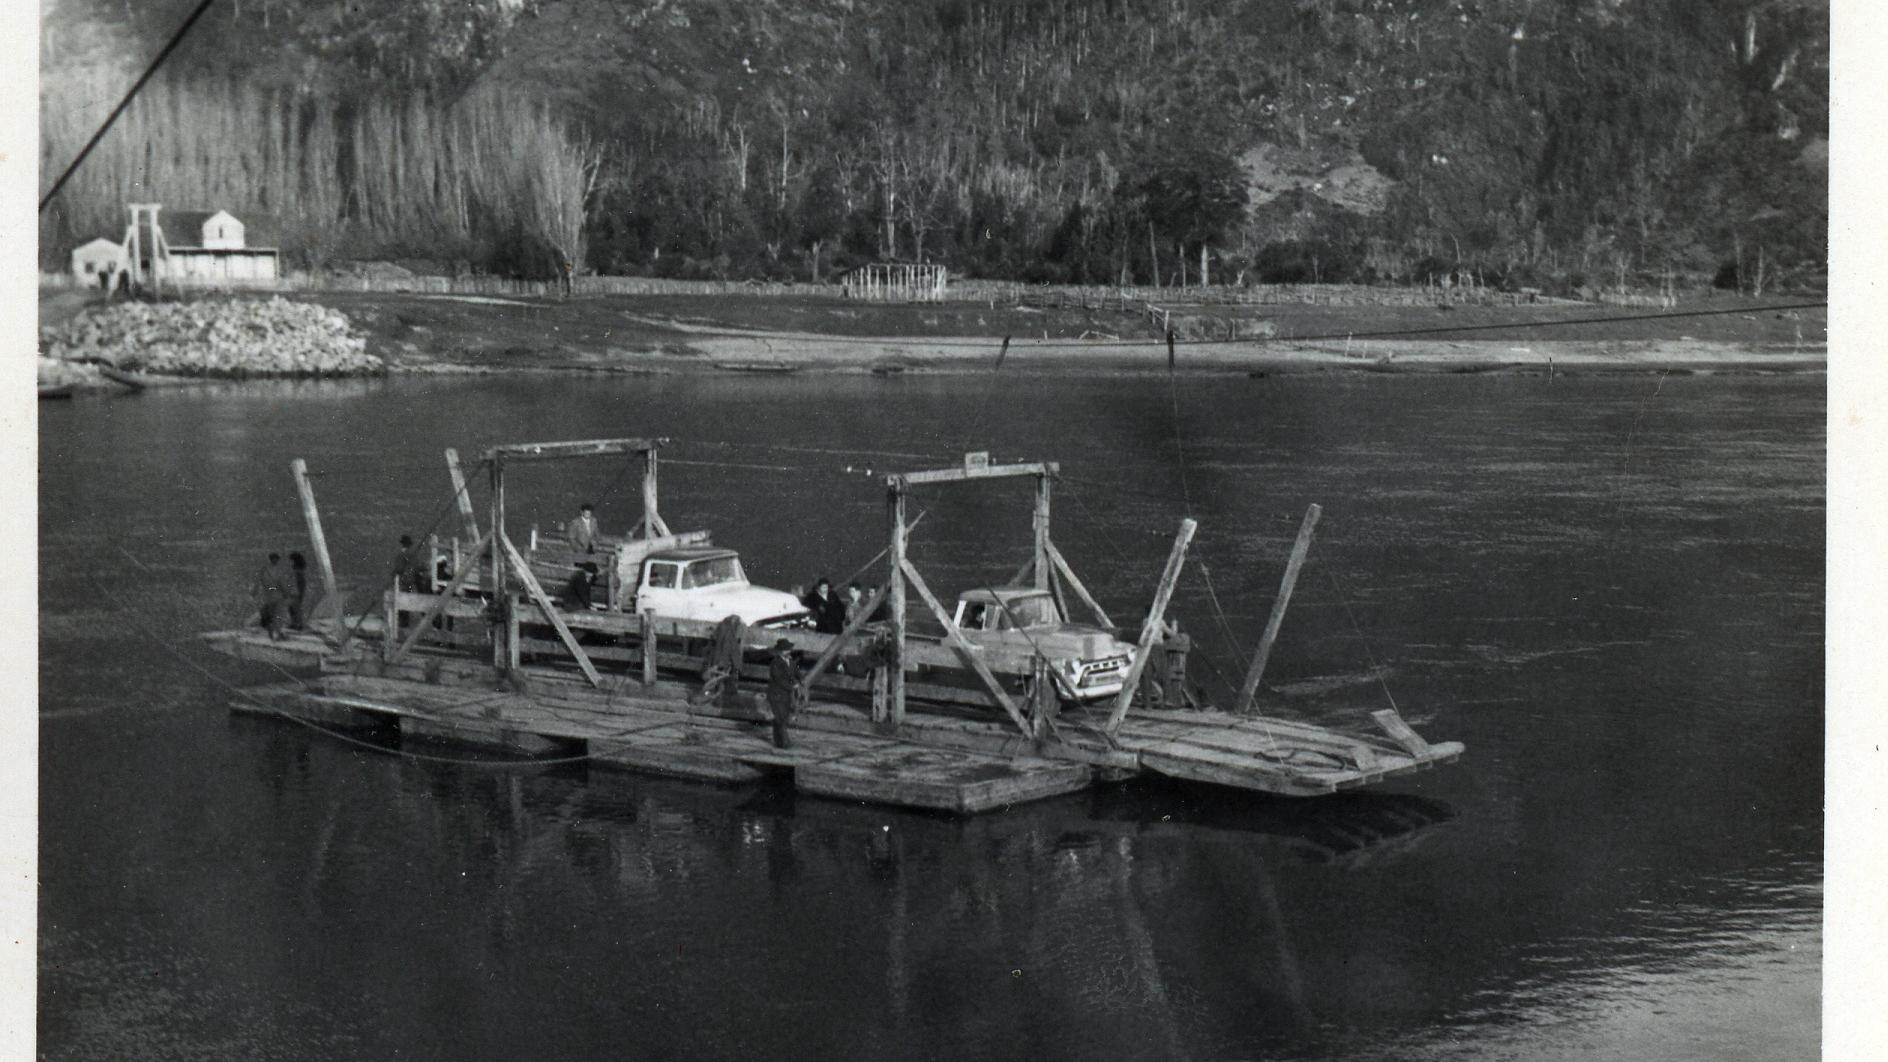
x=319 y=542
x=896 y=561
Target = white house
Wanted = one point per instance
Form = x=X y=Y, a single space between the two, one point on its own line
x=213 y=247
x=100 y=257
x=222 y=232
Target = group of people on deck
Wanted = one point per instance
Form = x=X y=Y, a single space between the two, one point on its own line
x=832 y=610
x=280 y=594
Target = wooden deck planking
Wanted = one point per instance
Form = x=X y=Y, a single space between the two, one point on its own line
x=950 y=760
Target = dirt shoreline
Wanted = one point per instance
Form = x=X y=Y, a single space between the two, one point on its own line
x=454 y=335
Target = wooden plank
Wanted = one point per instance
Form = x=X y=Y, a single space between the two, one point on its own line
x=648 y=649
x=964 y=649
x=1151 y=628
x=959 y=475
x=1039 y=524
x=318 y=541
x=1400 y=732
x=531 y=586
x=651 y=523
x=462 y=497
x=1250 y=688
x=439 y=605
x=957 y=782
x=579 y=448
x=1075 y=584
x=1241 y=773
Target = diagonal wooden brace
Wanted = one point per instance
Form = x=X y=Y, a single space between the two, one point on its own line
x=839 y=641
x=536 y=590
x=966 y=650
x=1151 y=629
x=1075 y=584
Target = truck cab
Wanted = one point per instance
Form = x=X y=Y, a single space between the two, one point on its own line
x=707 y=583
x=1089 y=662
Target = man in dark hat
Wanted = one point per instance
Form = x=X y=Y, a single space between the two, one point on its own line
x=783 y=689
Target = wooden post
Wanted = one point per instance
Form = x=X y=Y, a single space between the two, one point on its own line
x=881 y=681
x=462 y=496
x=1152 y=627
x=505 y=646
x=318 y=541
x=896 y=560
x=529 y=581
x=649 y=494
x=966 y=651
x=1041 y=525
x=389 y=620
x=648 y=650
x=1250 y=688
x=1075 y=584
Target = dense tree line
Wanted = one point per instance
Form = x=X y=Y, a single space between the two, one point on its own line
x=1524 y=141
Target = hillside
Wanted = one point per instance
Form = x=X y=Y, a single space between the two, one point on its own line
x=1555 y=144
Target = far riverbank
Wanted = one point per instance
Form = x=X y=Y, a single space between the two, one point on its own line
x=424 y=333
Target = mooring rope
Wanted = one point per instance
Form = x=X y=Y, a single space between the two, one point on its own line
x=1369 y=656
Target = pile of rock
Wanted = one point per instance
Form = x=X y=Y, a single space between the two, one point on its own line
x=215 y=337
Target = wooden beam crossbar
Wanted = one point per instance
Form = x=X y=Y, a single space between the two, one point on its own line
x=581 y=448
x=543 y=600
x=438 y=606
x=964 y=649
x=959 y=475
x=1150 y=630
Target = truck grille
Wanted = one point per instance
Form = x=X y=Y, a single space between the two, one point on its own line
x=1102 y=671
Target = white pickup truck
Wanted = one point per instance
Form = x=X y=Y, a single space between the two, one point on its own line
x=705 y=583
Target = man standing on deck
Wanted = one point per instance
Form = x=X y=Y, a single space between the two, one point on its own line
x=582 y=530
x=406 y=570
x=783 y=689
x=269 y=596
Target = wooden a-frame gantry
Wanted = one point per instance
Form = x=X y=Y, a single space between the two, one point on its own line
x=1047 y=569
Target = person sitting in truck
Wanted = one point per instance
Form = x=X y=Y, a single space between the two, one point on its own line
x=582 y=529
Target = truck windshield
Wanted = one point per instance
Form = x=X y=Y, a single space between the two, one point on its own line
x=713 y=572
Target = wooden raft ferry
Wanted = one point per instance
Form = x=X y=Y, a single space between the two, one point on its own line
x=492 y=659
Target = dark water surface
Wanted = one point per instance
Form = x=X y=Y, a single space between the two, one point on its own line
x=1610 y=589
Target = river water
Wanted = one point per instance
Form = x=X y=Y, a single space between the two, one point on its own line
x=1610 y=588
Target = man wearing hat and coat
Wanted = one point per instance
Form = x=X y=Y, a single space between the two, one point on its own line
x=783 y=689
